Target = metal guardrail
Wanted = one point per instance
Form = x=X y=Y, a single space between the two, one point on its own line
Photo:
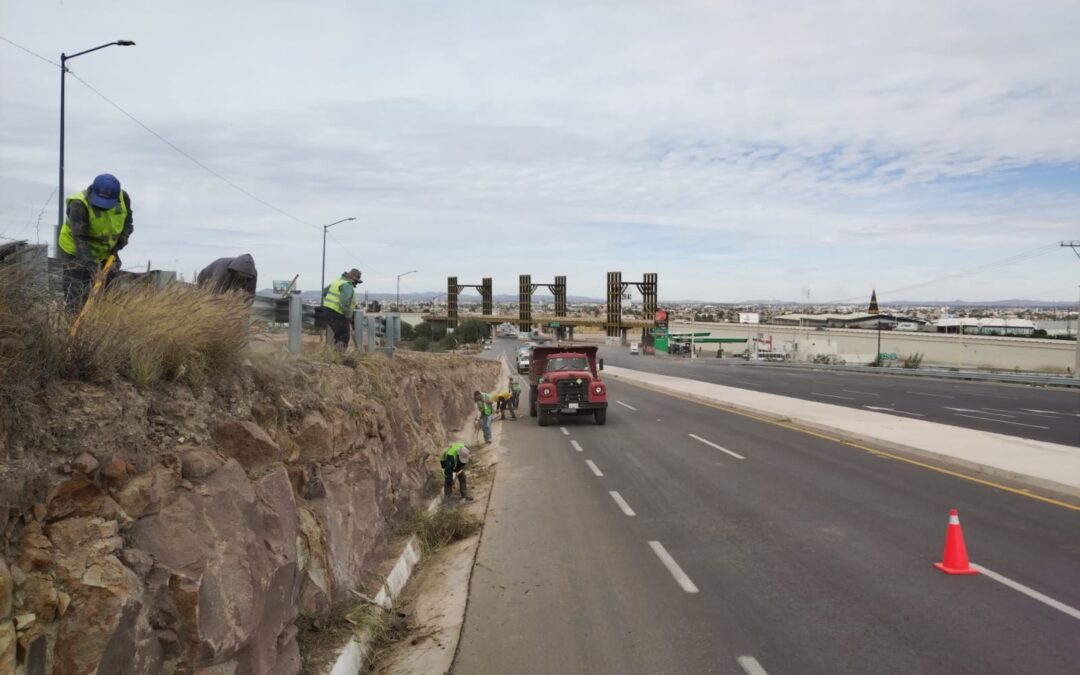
x=1014 y=378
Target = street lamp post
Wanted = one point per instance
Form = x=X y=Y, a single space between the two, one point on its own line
x=64 y=58
x=397 y=302
x=322 y=276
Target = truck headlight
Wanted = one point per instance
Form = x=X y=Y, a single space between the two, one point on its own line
x=598 y=389
x=546 y=391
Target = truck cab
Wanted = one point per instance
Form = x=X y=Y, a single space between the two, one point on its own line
x=566 y=380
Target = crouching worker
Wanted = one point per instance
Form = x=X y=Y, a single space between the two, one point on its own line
x=454 y=460
x=503 y=403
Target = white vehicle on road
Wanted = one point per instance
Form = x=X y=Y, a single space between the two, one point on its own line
x=634 y=348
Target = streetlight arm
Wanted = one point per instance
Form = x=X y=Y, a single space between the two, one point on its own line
x=121 y=43
x=327 y=227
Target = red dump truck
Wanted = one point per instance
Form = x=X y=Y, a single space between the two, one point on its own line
x=566 y=380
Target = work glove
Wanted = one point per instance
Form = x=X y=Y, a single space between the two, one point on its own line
x=121 y=242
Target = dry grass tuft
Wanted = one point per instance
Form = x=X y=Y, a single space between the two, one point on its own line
x=443 y=526
x=147 y=335
x=134 y=330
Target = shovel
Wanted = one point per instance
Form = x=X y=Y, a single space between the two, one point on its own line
x=95 y=291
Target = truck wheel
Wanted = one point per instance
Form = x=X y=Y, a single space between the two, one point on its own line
x=543 y=418
x=601 y=416
x=532 y=401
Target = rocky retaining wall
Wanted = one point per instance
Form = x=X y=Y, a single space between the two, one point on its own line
x=185 y=532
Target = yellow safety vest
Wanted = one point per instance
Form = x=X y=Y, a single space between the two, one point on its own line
x=105 y=227
x=333 y=298
x=452 y=451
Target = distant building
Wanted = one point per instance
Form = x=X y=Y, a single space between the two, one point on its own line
x=991 y=326
x=853 y=320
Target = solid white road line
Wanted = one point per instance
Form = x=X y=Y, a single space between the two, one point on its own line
x=745 y=382
x=673 y=567
x=714 y=445
x=595 y=469
x=991 y=419
x=846 y=398
x=577 y=446
x=1030 y=592
x=852 y=391
x=923 y=393
x=622 y=503
x=751 y=665
x=893 y=410
x=626 y=405
x=564 y=431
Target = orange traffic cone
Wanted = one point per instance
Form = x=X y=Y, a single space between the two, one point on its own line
x=955 y=558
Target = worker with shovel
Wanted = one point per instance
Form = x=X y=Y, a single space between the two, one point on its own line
x=97 y=226
x=515 y=394
x=454 y=460
x=339 y=301
x=484 y=406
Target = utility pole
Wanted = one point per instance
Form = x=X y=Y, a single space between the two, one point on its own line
x=1075 y=246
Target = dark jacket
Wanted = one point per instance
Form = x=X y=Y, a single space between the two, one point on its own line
x=231 y=274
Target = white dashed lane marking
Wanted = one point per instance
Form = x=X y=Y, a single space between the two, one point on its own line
x=714 y=445
x=564 y=431
x=622 y=503
x=751 y=665
x=626 y=405
x=673 y=567
x=577 y=446
x=595 y=469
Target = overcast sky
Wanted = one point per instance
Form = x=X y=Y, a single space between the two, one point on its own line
x=739 y=149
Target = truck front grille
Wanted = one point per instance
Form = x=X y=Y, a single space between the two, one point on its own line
x=571 y=392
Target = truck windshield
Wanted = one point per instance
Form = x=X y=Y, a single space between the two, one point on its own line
x=565 y=363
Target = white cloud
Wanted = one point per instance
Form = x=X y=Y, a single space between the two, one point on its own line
x=870 y=142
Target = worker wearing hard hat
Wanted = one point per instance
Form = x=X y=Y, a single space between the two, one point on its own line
x=339 y=301
x=97 y=225
x=454 y=460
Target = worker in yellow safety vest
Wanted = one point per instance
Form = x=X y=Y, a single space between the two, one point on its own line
x=339 y=303
x=454 y=460
x=484 y=407
x=98 y=224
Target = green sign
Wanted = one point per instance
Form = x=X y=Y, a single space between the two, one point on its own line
x=554 y=324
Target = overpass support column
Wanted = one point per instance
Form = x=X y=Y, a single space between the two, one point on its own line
x=525 y=303
x=570 y=333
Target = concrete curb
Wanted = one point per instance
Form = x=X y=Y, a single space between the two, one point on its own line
x=352 y=659
x=1062 y=489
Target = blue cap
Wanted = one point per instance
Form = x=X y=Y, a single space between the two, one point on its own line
x=105 y=191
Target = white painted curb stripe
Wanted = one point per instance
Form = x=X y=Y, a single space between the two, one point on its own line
x=352 y=658
x=1030 y=592
x=577 y=446
x=622 y=503
x=595 y=469
x=626 y=405
x=564 y=431
x=714 y=445
x=673 y=567
x=751 y=665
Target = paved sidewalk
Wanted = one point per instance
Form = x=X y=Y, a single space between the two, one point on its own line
x=1051 y=466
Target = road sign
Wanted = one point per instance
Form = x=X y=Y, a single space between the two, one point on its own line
x=554 y=324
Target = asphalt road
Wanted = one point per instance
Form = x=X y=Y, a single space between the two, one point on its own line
x=804 y=555
x=1029 y=412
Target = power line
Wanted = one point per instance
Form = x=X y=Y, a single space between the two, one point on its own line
x=356 y=257
x=188 y=156
x=31 y=53
x=988 y=267
x=161 y=138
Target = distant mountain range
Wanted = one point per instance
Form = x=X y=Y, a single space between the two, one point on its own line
x=470 y=298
